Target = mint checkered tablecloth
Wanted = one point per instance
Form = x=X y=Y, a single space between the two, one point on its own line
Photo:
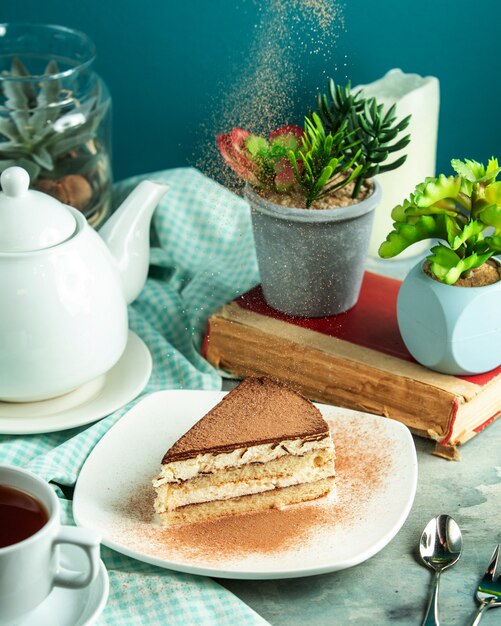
x=202 y=256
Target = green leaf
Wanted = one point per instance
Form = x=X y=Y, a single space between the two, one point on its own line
x=400 y=145
x=404 y=123
x=490 y=175
x=8 y=129
x=445 y=264
x=43 y=158
x=354 y=174
x=443 y=256
x=399 y=213
x=471 y=231
x=404 y=235
x=492 y=193
x=413 y=210
x=469 y=169
x=329 y=142
x=256 y=144
x=18 y=69
x=492 y=170
x=390 y=113
x=325 y=175
x=306 y=164
x=292 y=158
x=48 y=100
x=334 y=162
x=436 y=189
x=491 y=215
x=449 y=267
x=16 y=98
x=453 y=229
x=50 y=89
x=494 y=242
x=393 y=166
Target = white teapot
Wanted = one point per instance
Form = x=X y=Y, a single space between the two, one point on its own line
x=64 y=288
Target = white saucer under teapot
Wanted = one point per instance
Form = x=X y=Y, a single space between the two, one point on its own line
x=64 y=287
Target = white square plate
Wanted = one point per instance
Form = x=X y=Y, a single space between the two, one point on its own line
x=376 y=477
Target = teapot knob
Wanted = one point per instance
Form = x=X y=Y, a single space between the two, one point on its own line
x=15 y=181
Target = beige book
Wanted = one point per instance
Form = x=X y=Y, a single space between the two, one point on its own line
x=355 y=360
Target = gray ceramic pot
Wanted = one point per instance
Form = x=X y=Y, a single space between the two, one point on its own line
x=311 y=261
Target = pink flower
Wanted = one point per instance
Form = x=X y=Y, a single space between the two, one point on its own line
x=233 y=149
x=288 y=129
x=285 y=177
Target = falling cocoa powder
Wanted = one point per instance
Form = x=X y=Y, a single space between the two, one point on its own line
x=265 y=87
x=363 y=465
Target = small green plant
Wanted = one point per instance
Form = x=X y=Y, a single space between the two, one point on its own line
x=347 y=141
x=457 y=210
x=41 y=127
x=293 y=160
x=320 y=164
x=374 y=135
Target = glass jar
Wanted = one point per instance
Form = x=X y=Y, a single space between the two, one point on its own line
x=55 y=115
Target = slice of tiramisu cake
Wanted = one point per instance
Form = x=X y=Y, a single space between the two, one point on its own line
x=263 y=446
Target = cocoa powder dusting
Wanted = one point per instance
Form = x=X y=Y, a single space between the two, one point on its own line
x=267 y=82
x=362 y=468
x=257 y=411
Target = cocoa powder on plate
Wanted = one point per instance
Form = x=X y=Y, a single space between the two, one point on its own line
x=361 y=470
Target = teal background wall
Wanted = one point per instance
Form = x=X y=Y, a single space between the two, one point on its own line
x=168 y=65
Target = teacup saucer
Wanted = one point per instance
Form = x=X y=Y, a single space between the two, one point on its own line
x=72 y=607
x=94 y=400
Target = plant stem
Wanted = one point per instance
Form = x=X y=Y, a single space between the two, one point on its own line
x=474 y=192
x=356 y=189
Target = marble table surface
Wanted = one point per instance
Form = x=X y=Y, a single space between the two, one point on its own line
x=392 y=587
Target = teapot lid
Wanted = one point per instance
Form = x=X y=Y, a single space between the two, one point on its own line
x=30 y=220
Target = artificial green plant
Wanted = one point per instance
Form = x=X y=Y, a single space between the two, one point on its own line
x=348 y=140
x=464 y=211
x=320 y=164
x=41 y=125
x=374 y=134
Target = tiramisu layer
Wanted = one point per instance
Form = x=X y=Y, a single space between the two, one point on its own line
x=274 y=499
x=262 y=446
x=177 y=471
x=247 y=479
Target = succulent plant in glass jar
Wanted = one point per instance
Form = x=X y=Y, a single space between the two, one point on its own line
x=55 y=115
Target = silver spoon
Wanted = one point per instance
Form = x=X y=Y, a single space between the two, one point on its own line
x=440 y=547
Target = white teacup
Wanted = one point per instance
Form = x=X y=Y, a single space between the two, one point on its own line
x=30 y=568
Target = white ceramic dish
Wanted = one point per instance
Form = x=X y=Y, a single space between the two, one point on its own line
x=87 y=404
x=72 y=607
x=377 y=476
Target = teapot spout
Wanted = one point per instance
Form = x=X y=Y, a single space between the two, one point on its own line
x=127 y=235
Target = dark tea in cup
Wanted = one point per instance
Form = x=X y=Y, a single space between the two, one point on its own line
x=31 y=534
x=21 y=516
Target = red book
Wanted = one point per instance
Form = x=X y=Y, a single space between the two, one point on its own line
x=356 y=359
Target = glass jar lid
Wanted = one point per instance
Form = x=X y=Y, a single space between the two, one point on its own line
x=30 y=220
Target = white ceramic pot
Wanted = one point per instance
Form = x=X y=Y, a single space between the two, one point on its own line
x=450 y=329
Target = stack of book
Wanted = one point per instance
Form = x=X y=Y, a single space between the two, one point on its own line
x=356 y=360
